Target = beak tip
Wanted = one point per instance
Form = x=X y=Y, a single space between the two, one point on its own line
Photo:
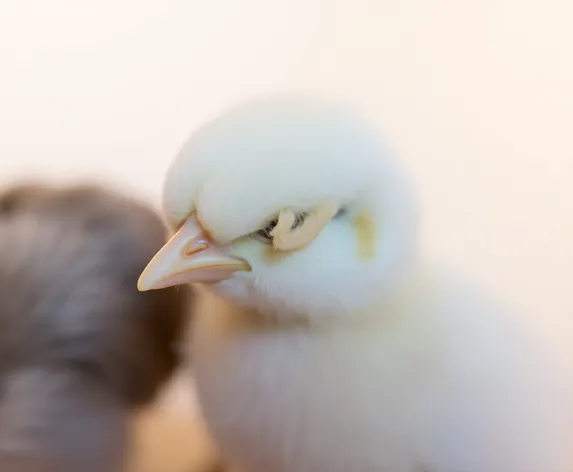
x=141 y=287
x=144 y=285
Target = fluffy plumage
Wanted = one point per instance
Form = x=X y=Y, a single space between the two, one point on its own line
x=345 y=353
x=80 y=347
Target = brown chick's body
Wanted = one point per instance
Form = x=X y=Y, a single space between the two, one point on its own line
x=79 y=345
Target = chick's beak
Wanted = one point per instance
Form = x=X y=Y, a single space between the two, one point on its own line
x=188 y=257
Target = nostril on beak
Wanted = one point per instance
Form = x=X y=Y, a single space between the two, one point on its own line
x=194 y=247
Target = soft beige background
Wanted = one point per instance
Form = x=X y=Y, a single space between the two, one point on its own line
x=476 y=96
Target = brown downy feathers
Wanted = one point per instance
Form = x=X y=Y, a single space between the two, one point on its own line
x=80 y=346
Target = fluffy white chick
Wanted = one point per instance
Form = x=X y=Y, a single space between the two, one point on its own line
x=325 y=346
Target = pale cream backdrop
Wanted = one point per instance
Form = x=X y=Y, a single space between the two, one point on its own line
x=476 y=97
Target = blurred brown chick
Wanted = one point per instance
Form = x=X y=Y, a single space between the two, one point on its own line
x=80 y=347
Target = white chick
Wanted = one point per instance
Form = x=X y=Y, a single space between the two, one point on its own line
x=331 y=348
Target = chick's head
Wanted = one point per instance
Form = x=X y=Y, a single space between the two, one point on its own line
x=286 y=205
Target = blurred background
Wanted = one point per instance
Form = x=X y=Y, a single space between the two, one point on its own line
x=476 y=98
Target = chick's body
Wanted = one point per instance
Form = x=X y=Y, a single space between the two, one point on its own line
x=423 y=385
x=345 y=353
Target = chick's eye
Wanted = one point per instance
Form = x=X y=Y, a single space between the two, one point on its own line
x=264 y=235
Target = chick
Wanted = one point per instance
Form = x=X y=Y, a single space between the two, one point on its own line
x=80 y=347
x=330 y=345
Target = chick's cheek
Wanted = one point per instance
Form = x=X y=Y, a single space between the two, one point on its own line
x=365 y=236
x=274 y=256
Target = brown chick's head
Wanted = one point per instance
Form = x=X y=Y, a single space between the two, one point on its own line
x=70 y=258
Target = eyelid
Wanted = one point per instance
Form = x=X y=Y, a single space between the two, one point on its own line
x=300 y=216
x=299 y=219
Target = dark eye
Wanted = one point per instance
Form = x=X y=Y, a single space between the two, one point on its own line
x=264 y=235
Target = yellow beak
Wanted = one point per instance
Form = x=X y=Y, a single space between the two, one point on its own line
x=188 y=257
